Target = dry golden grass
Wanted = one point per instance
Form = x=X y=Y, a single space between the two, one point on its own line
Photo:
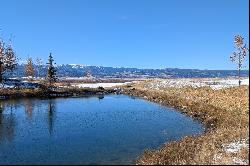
x=46 y=92
x=20 y=92
x=225 y=113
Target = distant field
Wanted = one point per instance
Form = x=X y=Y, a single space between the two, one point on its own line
x=214 y=83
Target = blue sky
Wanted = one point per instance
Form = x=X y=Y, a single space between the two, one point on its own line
x=127 y=33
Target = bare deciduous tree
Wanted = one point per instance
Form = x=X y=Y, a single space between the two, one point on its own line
x=2 y=57
x=39 y=65
x=8 y=60
x=29 y=70
x=239 y=55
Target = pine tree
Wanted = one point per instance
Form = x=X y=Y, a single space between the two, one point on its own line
x=29 y=70
x=51 y=71
x=239 y=55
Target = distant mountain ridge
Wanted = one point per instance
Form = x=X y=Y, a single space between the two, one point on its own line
x=75 y=70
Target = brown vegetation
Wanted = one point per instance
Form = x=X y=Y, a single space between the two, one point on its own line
x=29 y=69
x=50 y=92
x=225 y=113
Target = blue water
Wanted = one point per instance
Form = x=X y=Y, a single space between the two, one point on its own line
x=112 y=129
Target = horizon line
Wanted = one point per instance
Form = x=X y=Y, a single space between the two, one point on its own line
x=85 y=65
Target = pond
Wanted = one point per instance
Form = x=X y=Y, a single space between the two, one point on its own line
x=110 y=129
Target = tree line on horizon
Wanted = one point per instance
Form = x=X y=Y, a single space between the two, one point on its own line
x=8 y=61
x=51 y=76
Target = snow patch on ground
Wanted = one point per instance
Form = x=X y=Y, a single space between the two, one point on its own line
x=238 y=161
x=19 y=84
x=78 y=78
x=104 y=85
x=236 y=146
x=6 y=86
x=233 y=147
x=179 y=83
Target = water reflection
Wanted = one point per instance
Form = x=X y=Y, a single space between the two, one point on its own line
x=51 y=115
x=8 y=121
x=100 y=97
x=29 y=107
x=132 y=97
x=112 y=129
x=7 y=125
x=11 y=104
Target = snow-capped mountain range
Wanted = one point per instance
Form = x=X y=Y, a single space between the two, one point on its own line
x=77 y=70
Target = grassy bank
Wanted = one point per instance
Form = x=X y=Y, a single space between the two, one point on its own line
x=57 y=92
x=225 y=113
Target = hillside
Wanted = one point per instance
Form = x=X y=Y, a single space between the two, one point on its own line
x=73 y=70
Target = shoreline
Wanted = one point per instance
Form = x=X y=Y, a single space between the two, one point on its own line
x=222 y=127
x=204 y=148
x=148 y=96
x=40 y=93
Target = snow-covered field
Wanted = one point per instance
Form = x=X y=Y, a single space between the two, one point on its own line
x=19 y=84
x=104 y=85
x=179 y=83
x=155 y=84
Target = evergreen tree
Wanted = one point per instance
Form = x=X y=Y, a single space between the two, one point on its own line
x=29 y=70
x=51 y=71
